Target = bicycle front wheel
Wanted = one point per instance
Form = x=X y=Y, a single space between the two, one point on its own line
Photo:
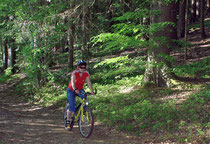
x=86 y=122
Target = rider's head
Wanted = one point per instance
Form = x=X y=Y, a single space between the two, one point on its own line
x=81 y=65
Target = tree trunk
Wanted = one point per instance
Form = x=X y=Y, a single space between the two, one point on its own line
x=71 y=46
x=186 y=28
x=5 y=55
x=71 y=42
x=110 y=14
x=157 y=66
x=203 y=34
x=174 y=10
x=64 y=40
x=11 y=55
x=208 y=8
x=2 y=54
x=193 y=11
x=146 y=22
x=84 y=32
x=181 y=21
x=14 y=57
x=198 y=12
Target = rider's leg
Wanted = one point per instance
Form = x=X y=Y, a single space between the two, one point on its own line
x=71 y=100
x=69 y=114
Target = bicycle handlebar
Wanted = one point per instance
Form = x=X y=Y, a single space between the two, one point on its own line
x=88 y=93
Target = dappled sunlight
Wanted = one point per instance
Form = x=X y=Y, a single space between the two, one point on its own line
x=205 y=45
x=125 y=89
x=178 y=97
x=20 y=104
x=34 y=108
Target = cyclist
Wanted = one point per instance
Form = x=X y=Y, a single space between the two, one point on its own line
x=75 y=87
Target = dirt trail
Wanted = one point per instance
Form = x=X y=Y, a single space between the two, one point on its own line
x=21 y=122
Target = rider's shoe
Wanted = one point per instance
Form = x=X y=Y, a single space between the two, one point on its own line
x=68 y=125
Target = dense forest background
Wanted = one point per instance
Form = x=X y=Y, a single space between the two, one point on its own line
x=149 y=60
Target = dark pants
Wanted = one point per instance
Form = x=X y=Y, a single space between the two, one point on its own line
x=71 y=95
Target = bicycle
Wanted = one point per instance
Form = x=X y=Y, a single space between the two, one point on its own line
x=83 y=115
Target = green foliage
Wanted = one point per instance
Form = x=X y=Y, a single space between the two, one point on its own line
x=181 y=43
x=134 y=111
x=198 y=69
x=128 y=32
x=117 y=68
x=195 y=26
x=116 y=62
x=3 y=78
x=135 y=16
x=196 y=107
x=140 y=110
x=43 y=95
x=113 y=43
x=59 y=77
x=7 y=76
x=26 y=88
x=170 y=1
x=33 y=63
x=8 y=71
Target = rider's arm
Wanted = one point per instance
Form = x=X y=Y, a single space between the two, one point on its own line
x=89 y=84
x=73 y=78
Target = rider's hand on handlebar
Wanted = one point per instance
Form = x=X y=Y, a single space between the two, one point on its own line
x=77 y=91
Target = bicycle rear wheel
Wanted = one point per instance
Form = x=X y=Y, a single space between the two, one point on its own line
x=65 y=118
x=86 y=123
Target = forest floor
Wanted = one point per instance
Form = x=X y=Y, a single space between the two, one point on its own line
x=23 y=122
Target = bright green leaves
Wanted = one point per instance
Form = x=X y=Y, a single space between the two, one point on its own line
x=114 y=42
x=170 y=1
x=115 y=62
x=135 y=16
x=155 y=27
x=136 y=31
x=116 y=69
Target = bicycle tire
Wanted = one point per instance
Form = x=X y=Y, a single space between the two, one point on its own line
x=86 y=126
x=65 y=118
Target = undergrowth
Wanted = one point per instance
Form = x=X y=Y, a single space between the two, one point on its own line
x=7 y=76
x=142 y=110
x=196 y=69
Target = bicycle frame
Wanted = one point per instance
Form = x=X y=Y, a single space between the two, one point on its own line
x=80 y=110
